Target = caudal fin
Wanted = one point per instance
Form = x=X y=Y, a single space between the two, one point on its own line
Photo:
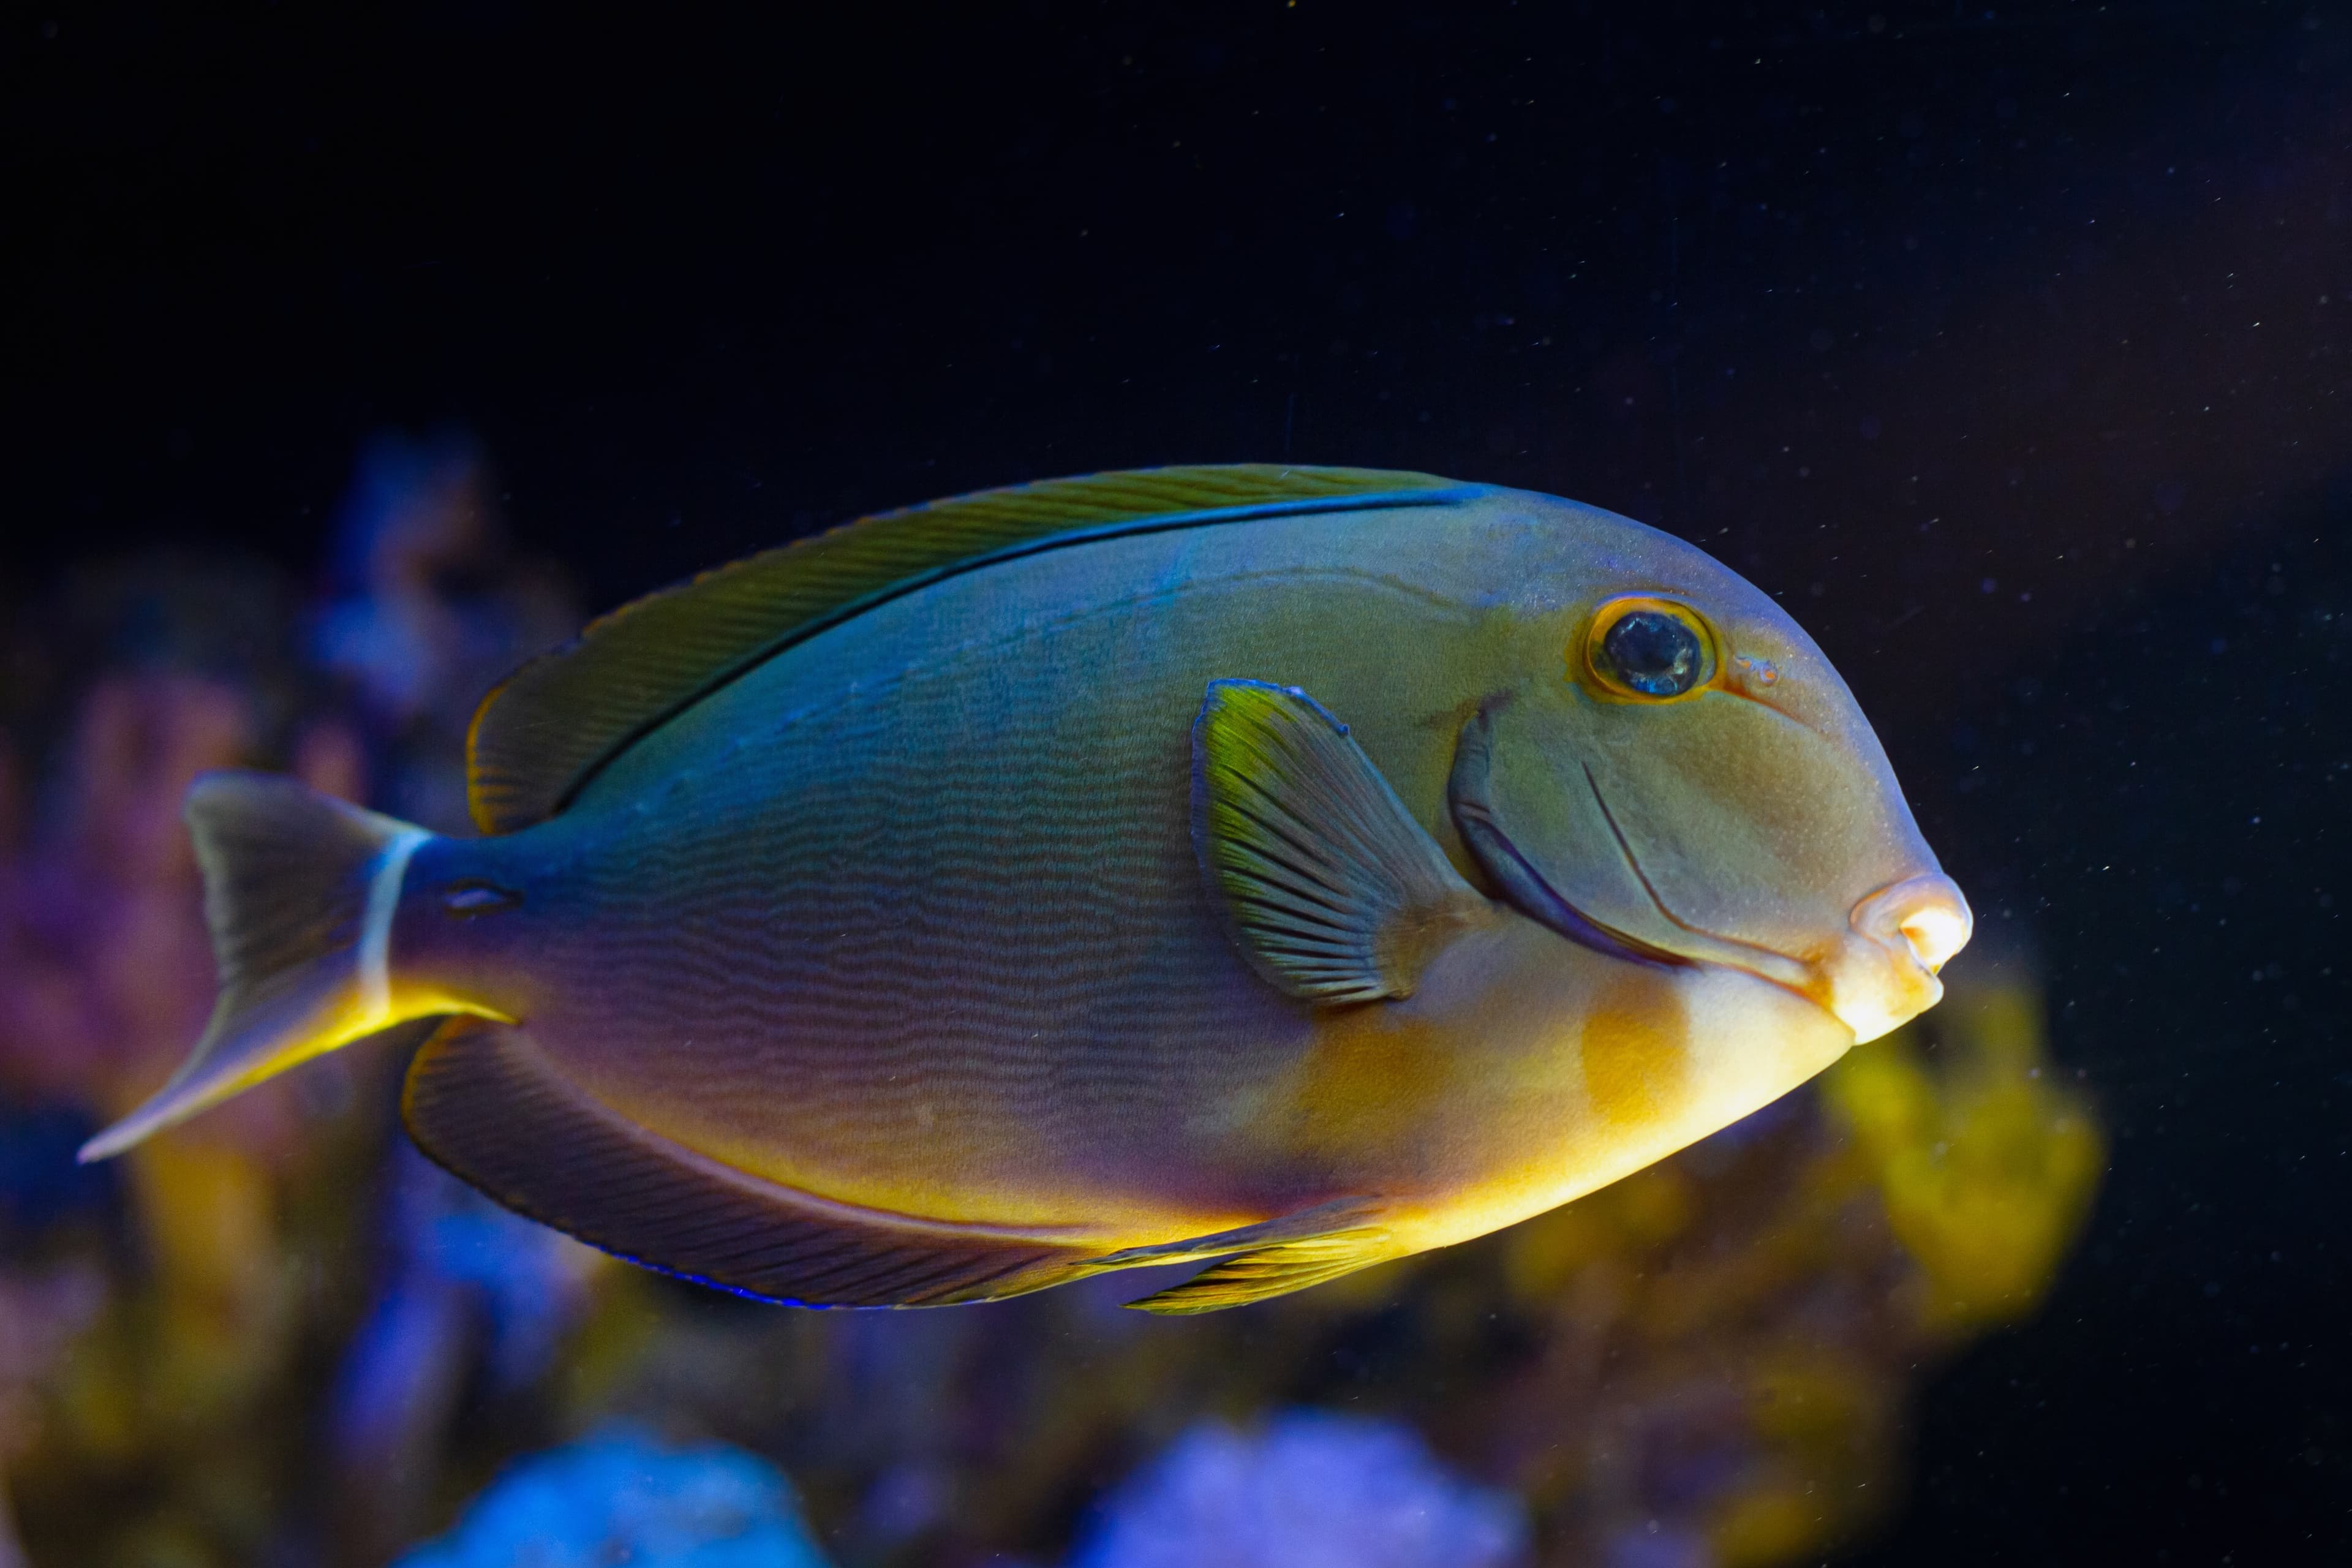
x=298 y=892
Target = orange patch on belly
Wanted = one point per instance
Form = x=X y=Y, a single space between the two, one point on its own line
x=1635 y=1054
x=1369 y=1072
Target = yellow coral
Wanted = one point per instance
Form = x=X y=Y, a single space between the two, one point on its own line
x=1770 y=1524
x=1986 y=1166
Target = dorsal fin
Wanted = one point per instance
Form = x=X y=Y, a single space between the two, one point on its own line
x=554 y=724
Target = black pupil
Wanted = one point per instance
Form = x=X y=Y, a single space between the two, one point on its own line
x=1654 y=653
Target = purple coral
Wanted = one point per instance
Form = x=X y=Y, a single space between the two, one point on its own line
x=1310 y=1491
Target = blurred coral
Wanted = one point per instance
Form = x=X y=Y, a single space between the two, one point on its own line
x=100 y=921
x=40 y=1313
x=110 y=974
x=621 y=1497
x=428 y=610
x=470 y=1289
x=1986 y=1167
x=209 y=1285
x=1310 y=1491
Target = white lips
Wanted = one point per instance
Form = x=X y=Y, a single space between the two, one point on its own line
x=1935 y=933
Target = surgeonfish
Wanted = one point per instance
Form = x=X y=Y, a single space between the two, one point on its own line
x=1283 y=868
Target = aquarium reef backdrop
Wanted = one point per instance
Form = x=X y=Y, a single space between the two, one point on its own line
x=351 y=363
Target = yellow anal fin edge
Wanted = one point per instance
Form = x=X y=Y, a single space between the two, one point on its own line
x=554 y=724
x=484 y=1101
x=1271 y=1271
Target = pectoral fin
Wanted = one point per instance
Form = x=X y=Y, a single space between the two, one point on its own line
x=1331 y=888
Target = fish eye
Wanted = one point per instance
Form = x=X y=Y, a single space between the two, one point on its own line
x=1649 y=648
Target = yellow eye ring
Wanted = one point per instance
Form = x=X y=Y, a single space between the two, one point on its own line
x=1643 y=649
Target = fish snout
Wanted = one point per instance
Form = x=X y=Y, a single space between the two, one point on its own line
x=1884 y=973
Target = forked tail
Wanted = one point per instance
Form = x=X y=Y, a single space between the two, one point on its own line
x=300 y=890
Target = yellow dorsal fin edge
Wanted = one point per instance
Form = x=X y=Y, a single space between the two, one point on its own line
x=554 y=724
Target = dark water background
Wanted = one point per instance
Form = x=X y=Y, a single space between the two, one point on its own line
x=2004 y=343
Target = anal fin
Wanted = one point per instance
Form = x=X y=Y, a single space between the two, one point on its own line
x=1271 y=1271
x=483 y=1099
x=1272 y=1258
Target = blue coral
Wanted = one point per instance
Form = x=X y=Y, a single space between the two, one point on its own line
x=622 y=1497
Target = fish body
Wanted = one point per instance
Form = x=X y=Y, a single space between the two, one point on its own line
x=1280 y=882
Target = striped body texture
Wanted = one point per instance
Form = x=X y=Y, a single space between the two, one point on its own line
x=912 y=915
